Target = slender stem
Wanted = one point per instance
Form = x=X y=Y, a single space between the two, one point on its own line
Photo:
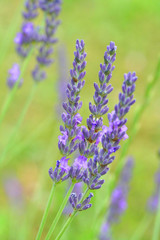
x=12 y=92
x=46 y=213
x=141 y=229
x=70 y=218
x=54 y=223
x=156 y=230
x=66 y=225
x=10 y=142
x=87 y=189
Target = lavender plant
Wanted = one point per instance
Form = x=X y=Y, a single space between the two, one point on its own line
x=29 y=38
x=118 y=202
x=96 y=142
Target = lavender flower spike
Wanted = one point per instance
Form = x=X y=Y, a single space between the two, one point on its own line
x=118 y=200
x=31 y=9
x=14 y=74
x=92 y=135
x=26 y=38
x=100 y=97
x=51 y=10
x=71 y=132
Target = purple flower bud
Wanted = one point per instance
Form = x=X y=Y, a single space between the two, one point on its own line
x=14 y=74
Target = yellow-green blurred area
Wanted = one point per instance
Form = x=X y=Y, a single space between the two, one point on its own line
x=134 y=26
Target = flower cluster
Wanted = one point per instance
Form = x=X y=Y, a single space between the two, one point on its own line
x=51 y=11
x=31 y=7
x=14 y=75
x=96 y=142
x=28 y=35
x=38 y=37
x=118 y=202
x=76 y=190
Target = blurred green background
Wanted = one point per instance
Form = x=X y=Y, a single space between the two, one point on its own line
x=135 y=27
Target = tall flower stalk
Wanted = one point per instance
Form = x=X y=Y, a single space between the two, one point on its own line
x=96 y=143
x=68 y=140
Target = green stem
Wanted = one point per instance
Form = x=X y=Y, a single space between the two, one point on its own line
x=141 y=229
x=70 y=219
x=156 y=230
x=54 y=223
x=12 y=93
x=46 y=213
x=10 y=142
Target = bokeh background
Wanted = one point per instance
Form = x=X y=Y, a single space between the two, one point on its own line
x=24 y=182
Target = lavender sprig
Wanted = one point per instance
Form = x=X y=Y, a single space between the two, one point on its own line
x=71 y=131
x=98 y=142
x=92 y=135
x=112 y=135
x=51 y=11
x=31 y=9
x=13 y=76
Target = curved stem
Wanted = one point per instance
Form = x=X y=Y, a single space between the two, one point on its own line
x=69 y=219
x=54 y=223
x=45 y=213
x=66 y=225
x=10 y=142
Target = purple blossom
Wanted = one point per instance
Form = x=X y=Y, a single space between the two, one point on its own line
x=37 y=37
x=75 y=201
x=31 y=9
x=96 y=143
x=14 y=74
x=115 y=130
x=80 y=162
x=64 y=164
x=71 y=131
x=26 y=38
x=61 y=171
x=76 y=190
x=51 y=10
